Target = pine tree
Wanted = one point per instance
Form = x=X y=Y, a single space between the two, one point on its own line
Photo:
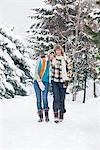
x=67 y=27
x=37 y=36
x=93 y=33
x=65 y=23
x=14 y=69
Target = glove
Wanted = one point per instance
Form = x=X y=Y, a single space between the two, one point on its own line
x=41 y=85
x=65 y=84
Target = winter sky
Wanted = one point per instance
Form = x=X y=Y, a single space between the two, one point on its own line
x=15 y=12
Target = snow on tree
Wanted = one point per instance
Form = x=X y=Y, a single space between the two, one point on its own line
x=14 y=67
x=93 y=33
x=65 y=22
x=93 y=30
x=67 y=26
x=39 y=37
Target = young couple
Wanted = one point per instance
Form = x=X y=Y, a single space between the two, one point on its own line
x=52 y=69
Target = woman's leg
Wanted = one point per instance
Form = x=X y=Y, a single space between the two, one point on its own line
x=38 y=95
x=62 y=102
x=56 y=99
x=45 y=101
x=45 y=95
x=56 y=96
x=62 y=98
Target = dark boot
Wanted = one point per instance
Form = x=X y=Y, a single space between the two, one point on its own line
x=40 y=113
x=46 y=115
x=61 y=116
x=56 y=120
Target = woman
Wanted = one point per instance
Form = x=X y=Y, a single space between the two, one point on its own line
x=59 y=80
x=41 y=85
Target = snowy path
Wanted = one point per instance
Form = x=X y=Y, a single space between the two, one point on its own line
x=19 y=129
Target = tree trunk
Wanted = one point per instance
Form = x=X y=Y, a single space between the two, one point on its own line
x=74 y=50
x=94 y=87
x=74 y=83
x=84 y=98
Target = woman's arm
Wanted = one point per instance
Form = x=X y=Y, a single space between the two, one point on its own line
x=36 y=75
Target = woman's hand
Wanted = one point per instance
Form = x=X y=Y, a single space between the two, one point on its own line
x=66 y=83
x=41 y=85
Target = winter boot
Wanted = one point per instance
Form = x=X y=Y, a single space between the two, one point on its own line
x=61 y=116
x=40 y=113
x=56 y=120
x=46 y=115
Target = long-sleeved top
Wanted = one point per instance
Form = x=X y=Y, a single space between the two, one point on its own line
x=60 y=69
x=42 y=70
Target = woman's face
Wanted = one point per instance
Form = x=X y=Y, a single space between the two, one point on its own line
x=58 y=52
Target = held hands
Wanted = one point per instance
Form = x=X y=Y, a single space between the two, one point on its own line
x=41 y=85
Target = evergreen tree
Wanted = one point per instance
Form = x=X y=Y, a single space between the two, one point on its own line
x=92 y=29
x=14 y=67
x=65 y=22
x=93 y=33
x=67 y=27
x=37 y=36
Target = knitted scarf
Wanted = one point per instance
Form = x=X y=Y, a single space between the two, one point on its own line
x=43 y=66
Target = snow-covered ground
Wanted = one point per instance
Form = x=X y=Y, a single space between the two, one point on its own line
x=19 y=129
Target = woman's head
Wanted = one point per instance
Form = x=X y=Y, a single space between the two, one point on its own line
x=58 y=50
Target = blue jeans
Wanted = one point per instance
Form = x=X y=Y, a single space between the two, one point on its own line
x=59 y=94
x=41 y=96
